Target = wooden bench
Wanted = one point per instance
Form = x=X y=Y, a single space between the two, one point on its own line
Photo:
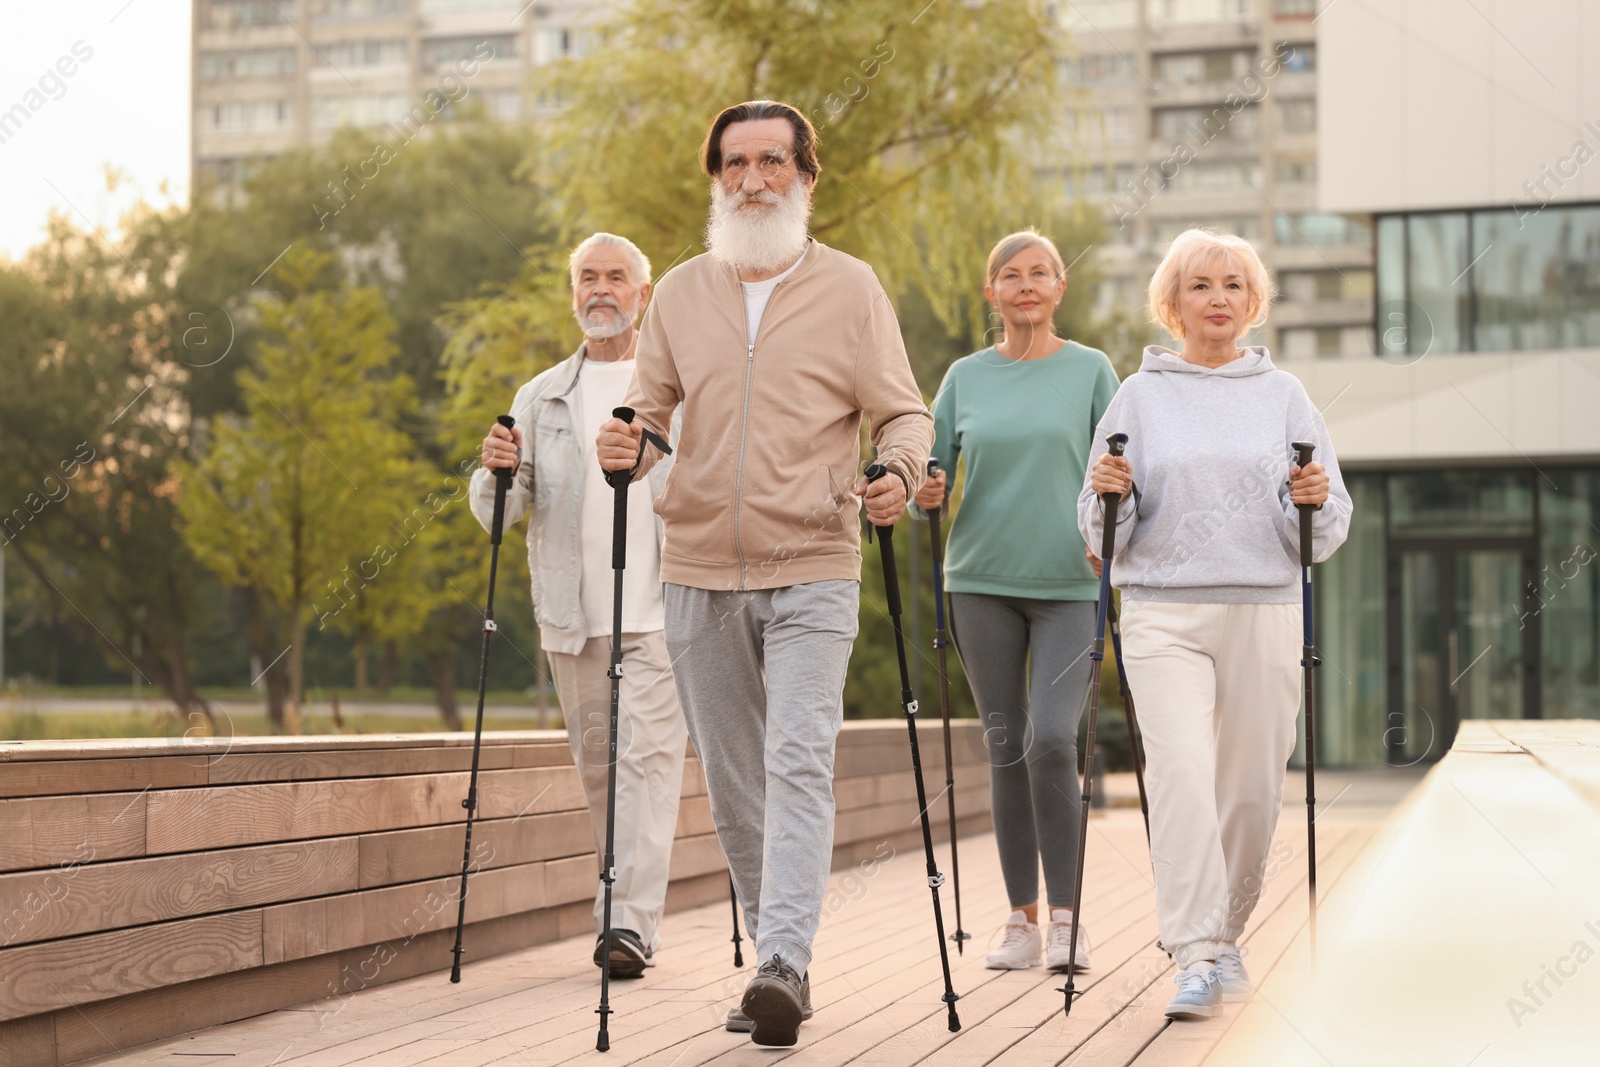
x=149 y=887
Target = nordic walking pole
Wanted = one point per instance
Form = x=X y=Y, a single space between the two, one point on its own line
x=940 y=641
x=502 y=482
x=1127 y=707
x=1108 y=541
x=1308 y=664
x=619 y=481
x=891 y=586
x=733 y=899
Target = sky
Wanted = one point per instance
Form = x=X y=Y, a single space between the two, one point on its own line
x=126 y=105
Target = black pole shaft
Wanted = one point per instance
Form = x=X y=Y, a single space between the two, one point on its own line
x=608 y=872
x=1308 y=665
x=1127 y=707
x=1108 y=542
x=908 y=703
x=502 y=482
x=941 y=641
x=733 y=900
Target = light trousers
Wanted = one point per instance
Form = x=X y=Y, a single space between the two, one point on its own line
x=650 y=750
x=1217 y=688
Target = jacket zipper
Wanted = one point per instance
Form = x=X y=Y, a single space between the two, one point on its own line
x=744 y=425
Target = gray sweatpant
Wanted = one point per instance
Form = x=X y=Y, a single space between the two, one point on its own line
x=761 y=680
x=1028 y=664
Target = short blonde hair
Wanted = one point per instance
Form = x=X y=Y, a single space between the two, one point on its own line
x=1194 y=249
x=1011 y=244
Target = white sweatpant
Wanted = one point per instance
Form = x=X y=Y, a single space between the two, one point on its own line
x=651 y=736
x=1217 y=690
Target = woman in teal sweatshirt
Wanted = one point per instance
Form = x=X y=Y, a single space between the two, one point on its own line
x=1022 y=415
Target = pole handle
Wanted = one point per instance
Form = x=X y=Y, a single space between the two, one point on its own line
x=502 y=482
x=1115 y=445
x=1302 y=457
x=891 y=580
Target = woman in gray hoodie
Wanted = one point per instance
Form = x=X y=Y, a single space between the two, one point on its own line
x=1207 y=559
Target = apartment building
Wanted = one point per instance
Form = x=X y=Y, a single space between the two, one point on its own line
x=1204 y=112
x=268 y=75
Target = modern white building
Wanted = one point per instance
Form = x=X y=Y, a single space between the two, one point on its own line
x=1470 y=135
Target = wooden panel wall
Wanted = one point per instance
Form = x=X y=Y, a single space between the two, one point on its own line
x=152 y=886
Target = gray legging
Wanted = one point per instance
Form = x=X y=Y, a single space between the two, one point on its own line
x=1030 y=728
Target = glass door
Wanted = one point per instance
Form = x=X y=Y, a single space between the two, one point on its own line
x=1458 y=645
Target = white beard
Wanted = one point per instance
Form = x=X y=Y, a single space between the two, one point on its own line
x=758 y=239
x=616 y=323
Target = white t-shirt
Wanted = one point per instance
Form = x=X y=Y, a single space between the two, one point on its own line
x=603 y=386
x=756 y=295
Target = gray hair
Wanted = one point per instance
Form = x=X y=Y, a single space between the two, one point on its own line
x=641 y=264
x=1011 y=244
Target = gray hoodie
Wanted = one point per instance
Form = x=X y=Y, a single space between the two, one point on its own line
x=1210 y=520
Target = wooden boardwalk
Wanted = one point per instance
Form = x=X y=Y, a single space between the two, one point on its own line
x=876 y=980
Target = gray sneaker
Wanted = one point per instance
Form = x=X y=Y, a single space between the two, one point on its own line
x=774 y=1002
x=1236 y=986
x=1199 y=993
x=739 y=1023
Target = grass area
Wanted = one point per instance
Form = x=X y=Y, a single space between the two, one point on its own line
x=24 y=724
x=400 y=694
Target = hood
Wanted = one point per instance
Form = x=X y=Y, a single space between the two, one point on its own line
x=1254 y=360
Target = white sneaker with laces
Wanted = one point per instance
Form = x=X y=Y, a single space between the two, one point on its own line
x=1020 y=948
x=1059 y=942
x=1236 y=986
x=1199 y=993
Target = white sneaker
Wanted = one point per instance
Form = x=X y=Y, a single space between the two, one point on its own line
x=1020 y=948
x=1199 y=993
x=1060 y=942
x=1236 y=985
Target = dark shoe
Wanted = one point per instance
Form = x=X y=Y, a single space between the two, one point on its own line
x=628 y=954
x=739 y=1023
x=775 y=1002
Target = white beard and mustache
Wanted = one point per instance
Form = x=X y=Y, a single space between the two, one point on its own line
x=758 y=240
x=617 y=323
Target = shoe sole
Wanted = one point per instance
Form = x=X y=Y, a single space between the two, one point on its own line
x=1061 y=968
x=774 y=1013
x=1206 y=1012
x=1238 y=998
x=623 y=964
x=1012 y=966
x=742 y=1026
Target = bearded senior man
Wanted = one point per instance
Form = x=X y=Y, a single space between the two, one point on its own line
x=569 y=554
x=775 y=346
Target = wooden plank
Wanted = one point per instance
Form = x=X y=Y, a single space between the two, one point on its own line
x=29 y=1042
x=226 y=816
x=108 y=896
x=56 y=974
x=61 y=831
x=430 y=852
x=327 y=924
x=54 y=777
x=249 y=767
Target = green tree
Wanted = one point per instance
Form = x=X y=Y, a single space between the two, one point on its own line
x=311 y=478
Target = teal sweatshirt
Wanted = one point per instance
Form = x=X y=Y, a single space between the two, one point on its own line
x=1025 y=429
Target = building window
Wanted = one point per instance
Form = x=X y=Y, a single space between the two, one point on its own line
x=233 y=14
x=1097 y=181
x=1163 y=230
x=1297 y=57
x=1181 y=12
x=1217 y=176
x=344 y=55
x=1325 y=342
x=1090 y=16
x=448 y=51
x=1296 y=171
x=248 y=116
x=1498 y=280
x=1111 y=125
x=247 y=63
x=1294 y=8
x=1196 y=68
x=1314 y=286
x=1298 y=116
x=1098 y=70
x=371 y=109
x=345 y=10
x=1201 y=125
x=1320 y=230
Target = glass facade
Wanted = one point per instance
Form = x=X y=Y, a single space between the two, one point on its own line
x=1501 y=280
x=1460 y=594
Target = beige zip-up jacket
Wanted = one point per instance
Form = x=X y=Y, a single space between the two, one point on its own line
x=760 y=495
